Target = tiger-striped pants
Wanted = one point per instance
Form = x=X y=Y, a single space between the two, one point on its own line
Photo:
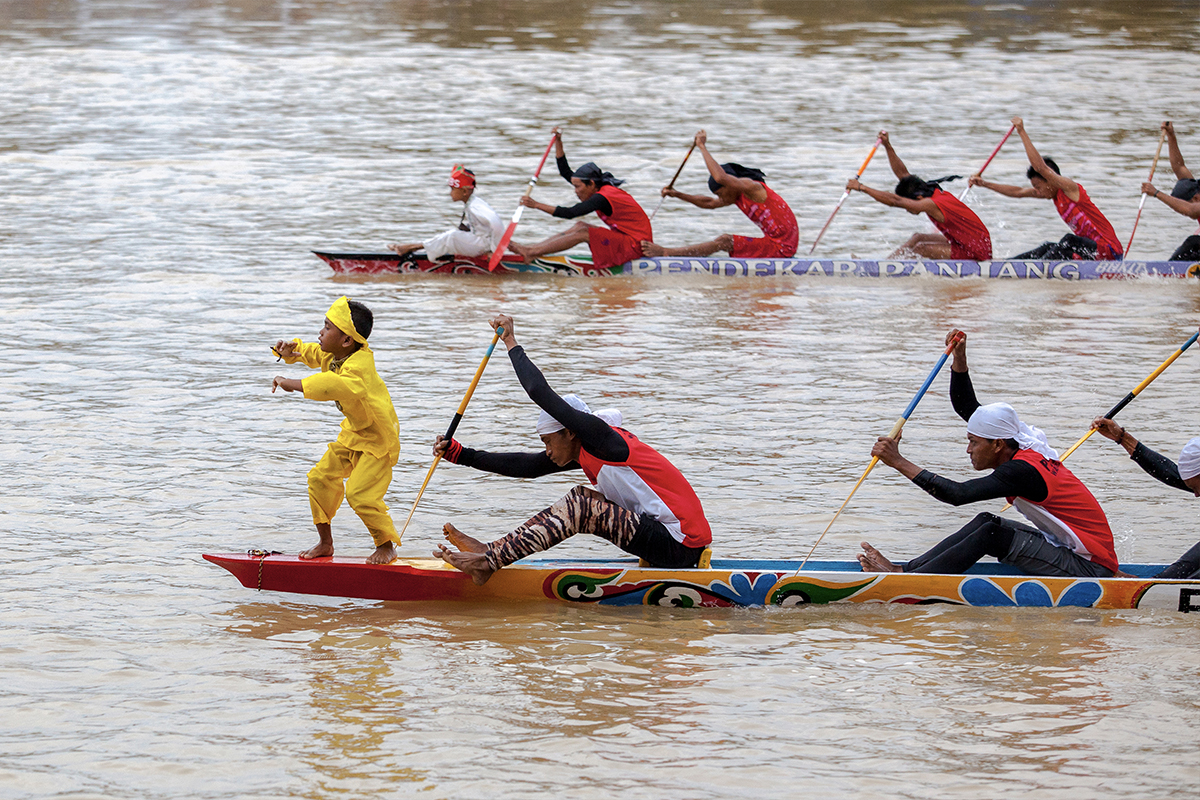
x=581 y=510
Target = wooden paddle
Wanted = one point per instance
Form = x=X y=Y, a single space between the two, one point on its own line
x=1142 y=202
x=462 y=407
x=993 y=155
x=494 y=261
x=895 y=432
x=845 y=194
x=1112 y=412
x=671 y=185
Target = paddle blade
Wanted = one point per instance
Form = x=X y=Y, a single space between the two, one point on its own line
x=494 y=261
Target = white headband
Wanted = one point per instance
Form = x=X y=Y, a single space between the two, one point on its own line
x=1000 y=421
x=1189 y=459
x=548 y=424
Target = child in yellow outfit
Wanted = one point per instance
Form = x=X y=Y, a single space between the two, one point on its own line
x=368 y=445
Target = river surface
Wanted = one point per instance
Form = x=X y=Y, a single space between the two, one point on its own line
x=165 y=169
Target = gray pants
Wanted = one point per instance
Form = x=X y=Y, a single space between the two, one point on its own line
x=1013 y=543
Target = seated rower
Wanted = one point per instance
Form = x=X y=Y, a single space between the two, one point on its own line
x=641 y=502
x=744 y=187
x=1092 y=236
x=478 y=232
x=1070 y=535
x=1185 y=476
x=1184 y=198
x=963 y=235
x=628 y=225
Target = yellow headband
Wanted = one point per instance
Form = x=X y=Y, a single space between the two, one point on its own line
x=339 y=315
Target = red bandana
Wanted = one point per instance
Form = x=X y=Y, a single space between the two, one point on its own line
x=460 y=177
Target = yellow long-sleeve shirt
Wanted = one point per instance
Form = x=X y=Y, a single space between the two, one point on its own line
x=370 y=425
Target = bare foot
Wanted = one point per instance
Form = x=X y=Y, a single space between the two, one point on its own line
x=465 y=543
x=652 y=250
x=874 y=561
x=384 y=554
x=403 y=249
x=322 y=550
x=474 y=564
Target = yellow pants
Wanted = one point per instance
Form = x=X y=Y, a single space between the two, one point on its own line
x=363 y=480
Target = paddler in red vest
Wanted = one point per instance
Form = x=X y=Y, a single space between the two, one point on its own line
x=746 y=188
x=1092 y=236
x=637 y=500
x=628 y=225
x=1184 y=198
x=1069 y=536
x=963 y=235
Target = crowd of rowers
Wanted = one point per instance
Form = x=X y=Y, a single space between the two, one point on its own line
x=639 y=501
x=962 y=235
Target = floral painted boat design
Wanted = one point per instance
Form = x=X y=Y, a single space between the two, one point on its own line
x=727 y=583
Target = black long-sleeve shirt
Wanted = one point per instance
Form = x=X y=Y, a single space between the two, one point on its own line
x=1010 y=479
x=596 y=203
x=595 y=435
x=1158 y=466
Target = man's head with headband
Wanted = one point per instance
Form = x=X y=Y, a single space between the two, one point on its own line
x=590 y=179
x=461 y=183
x=562 y=446
x=995 y=429
x=347 y=326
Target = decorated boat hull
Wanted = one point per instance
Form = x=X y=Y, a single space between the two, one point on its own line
x=390 y=263
x=728 y=583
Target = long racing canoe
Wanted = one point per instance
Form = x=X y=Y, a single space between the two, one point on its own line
x=581 y=265
x=725 y=583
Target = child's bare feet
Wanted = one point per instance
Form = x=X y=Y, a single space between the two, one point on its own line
x=652 y=250
x=384 y=554
x=322 y=550
x=473 y=564
x=465 y=543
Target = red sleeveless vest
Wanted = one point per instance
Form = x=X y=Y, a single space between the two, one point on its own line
x=1070 y=514
x=627 y=217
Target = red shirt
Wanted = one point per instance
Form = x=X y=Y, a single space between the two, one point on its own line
x=1084 y=219
x=647 y=483
x=773 y=217
x=627 y=217
x=1070 y=514
x=968 y=236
